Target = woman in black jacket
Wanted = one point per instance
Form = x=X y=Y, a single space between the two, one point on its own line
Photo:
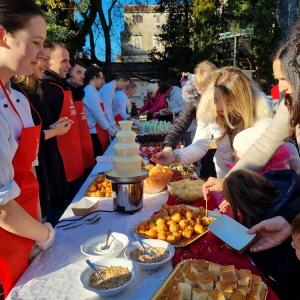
x=50 y=171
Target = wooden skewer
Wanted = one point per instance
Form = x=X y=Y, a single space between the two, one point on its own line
x=206 y=208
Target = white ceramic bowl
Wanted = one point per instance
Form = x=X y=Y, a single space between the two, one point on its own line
x=87 y=248
x=153 y=243
x=107 y=262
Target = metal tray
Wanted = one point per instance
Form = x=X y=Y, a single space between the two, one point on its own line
x=185 y=242
x=175 y=277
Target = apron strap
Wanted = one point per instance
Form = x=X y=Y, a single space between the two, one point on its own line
x=31 y=106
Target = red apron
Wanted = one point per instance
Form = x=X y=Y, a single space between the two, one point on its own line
x=103 y=135
x=118 y=118
x=69 y=145
x=15 y=250
x=85 y=137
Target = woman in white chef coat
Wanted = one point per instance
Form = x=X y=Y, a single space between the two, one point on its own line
x=22 y=33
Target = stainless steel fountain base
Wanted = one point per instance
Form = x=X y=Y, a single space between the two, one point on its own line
x=127 y=192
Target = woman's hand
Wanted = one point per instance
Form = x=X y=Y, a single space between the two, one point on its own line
x=164 y=157
x=62 y=127
x=271 y=233
x=49 y=240
x=224 y=205
x=212 y=185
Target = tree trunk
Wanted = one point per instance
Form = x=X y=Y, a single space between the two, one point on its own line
x=78 y=41
x=106 y=30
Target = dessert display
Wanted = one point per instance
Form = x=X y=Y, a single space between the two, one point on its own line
x=139 y=255
x=186 y=190
x=126 y=161
x=100 y=187
x=198 y=279
x=153 y=131
x=183 y=171
x=179 y=225
x=159 y=177
x=109 y=278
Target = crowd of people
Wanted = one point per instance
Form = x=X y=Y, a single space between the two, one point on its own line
x=58 y=114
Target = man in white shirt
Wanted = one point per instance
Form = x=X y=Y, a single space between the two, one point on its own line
x=92 y=104
x=108 y=92
x=120 y=102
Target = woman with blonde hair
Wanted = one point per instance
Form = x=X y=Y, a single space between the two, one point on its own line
x=231 y=103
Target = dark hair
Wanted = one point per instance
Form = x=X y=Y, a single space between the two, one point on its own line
x=48 y=44
x=90 y=73
x=289 y=56
x=124 y=76
x=250 y=195
x=164 y=88
x=296 y=224
x=15 y=14
x=130 y=85
x=74 y=62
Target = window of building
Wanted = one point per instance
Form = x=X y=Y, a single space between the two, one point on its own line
x=137 y=18
x=137 y=41
x=156 y=42
x=157 y=18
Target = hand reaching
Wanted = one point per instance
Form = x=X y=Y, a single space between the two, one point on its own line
x=164 y=157
x=212 y=185
x=271 y=233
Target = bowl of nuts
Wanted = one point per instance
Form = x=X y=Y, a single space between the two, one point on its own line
x=112 y=277
x=162 y=252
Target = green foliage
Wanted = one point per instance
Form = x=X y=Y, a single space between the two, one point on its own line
x=57 y=30
x=206 y=20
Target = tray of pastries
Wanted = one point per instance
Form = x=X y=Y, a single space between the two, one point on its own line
x=100 y=187
x=180 y=225
x=201 y=280
x=186 y=190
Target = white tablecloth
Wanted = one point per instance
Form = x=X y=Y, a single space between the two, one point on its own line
x=55 y=274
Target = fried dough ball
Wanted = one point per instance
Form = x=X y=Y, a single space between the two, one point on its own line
x=174 y=227
x=151 y=233
x=176 y=217
x=183 y=224
x=92 y=188
x=205 y=221
x=187 y=233
x=151 y=225
x=171 y=222
x=97 y=194
x=171 y=238
x=199 y=228
x=162 y=227
x=189 y=214
x=160 y=221
x=177 y=235
x=142 y=227
x=191 y=222
x=162 y=236
x=201 y=211
x=190 y=228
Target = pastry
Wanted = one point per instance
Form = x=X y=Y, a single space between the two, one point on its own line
x=199 y=294
x=185 y=290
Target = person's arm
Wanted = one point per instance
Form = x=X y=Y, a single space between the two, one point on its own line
x=92 y=103
x=121 y=103
x=198 y=148
x=13 y=217
x=260 y=153
x=181 y=125
x=146 y=105
x=161 y=103
x=53 y=97
x=60 y=129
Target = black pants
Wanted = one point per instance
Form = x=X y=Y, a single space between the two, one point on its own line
x=96 y=145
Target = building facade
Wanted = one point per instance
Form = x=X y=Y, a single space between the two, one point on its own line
x=142 y=25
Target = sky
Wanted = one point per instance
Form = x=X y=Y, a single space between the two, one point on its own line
x=117 y=28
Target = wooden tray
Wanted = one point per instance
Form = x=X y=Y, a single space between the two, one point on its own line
x=175 y=277
x=184 y=242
